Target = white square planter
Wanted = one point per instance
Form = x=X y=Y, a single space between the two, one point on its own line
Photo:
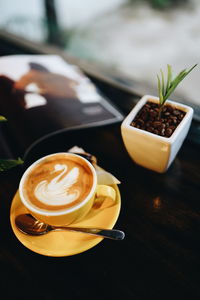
x=148 y=149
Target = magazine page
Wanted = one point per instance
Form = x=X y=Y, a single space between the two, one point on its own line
x=42 y=95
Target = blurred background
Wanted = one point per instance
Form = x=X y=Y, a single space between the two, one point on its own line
x=130 y=39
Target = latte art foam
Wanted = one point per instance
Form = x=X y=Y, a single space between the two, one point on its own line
x=58 y=183
x=56 y=192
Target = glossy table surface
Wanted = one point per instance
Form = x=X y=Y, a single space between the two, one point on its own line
x=160 y=215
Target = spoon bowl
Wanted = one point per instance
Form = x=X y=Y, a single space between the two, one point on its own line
x=27 y=224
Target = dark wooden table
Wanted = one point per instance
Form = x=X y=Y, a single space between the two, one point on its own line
x=160 y=214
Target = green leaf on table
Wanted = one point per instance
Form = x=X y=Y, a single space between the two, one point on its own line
x=6 y=164
x=2 y=118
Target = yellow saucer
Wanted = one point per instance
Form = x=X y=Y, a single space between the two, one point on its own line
x=65 y=243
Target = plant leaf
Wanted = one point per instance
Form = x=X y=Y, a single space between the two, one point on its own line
x=2 y=118
x=165 y=91
x=160 y=90
x=169 y=77
x=162 y=82
x=6 y=164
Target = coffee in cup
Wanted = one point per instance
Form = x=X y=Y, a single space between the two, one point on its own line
x=61 y=188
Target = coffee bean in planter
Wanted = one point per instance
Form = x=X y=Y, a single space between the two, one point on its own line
x=148 y=119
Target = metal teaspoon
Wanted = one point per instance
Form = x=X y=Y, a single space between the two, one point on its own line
x=27 y=224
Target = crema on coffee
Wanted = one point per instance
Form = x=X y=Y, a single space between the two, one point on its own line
x=58 y=182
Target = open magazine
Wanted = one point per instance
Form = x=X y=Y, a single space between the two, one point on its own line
x=42 y=95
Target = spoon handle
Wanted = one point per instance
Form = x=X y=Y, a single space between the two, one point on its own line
x=113 y=234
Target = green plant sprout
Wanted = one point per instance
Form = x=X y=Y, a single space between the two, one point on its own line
x=166 y=88
x=6 y=164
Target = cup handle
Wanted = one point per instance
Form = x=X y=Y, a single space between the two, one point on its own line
x=105 y=196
